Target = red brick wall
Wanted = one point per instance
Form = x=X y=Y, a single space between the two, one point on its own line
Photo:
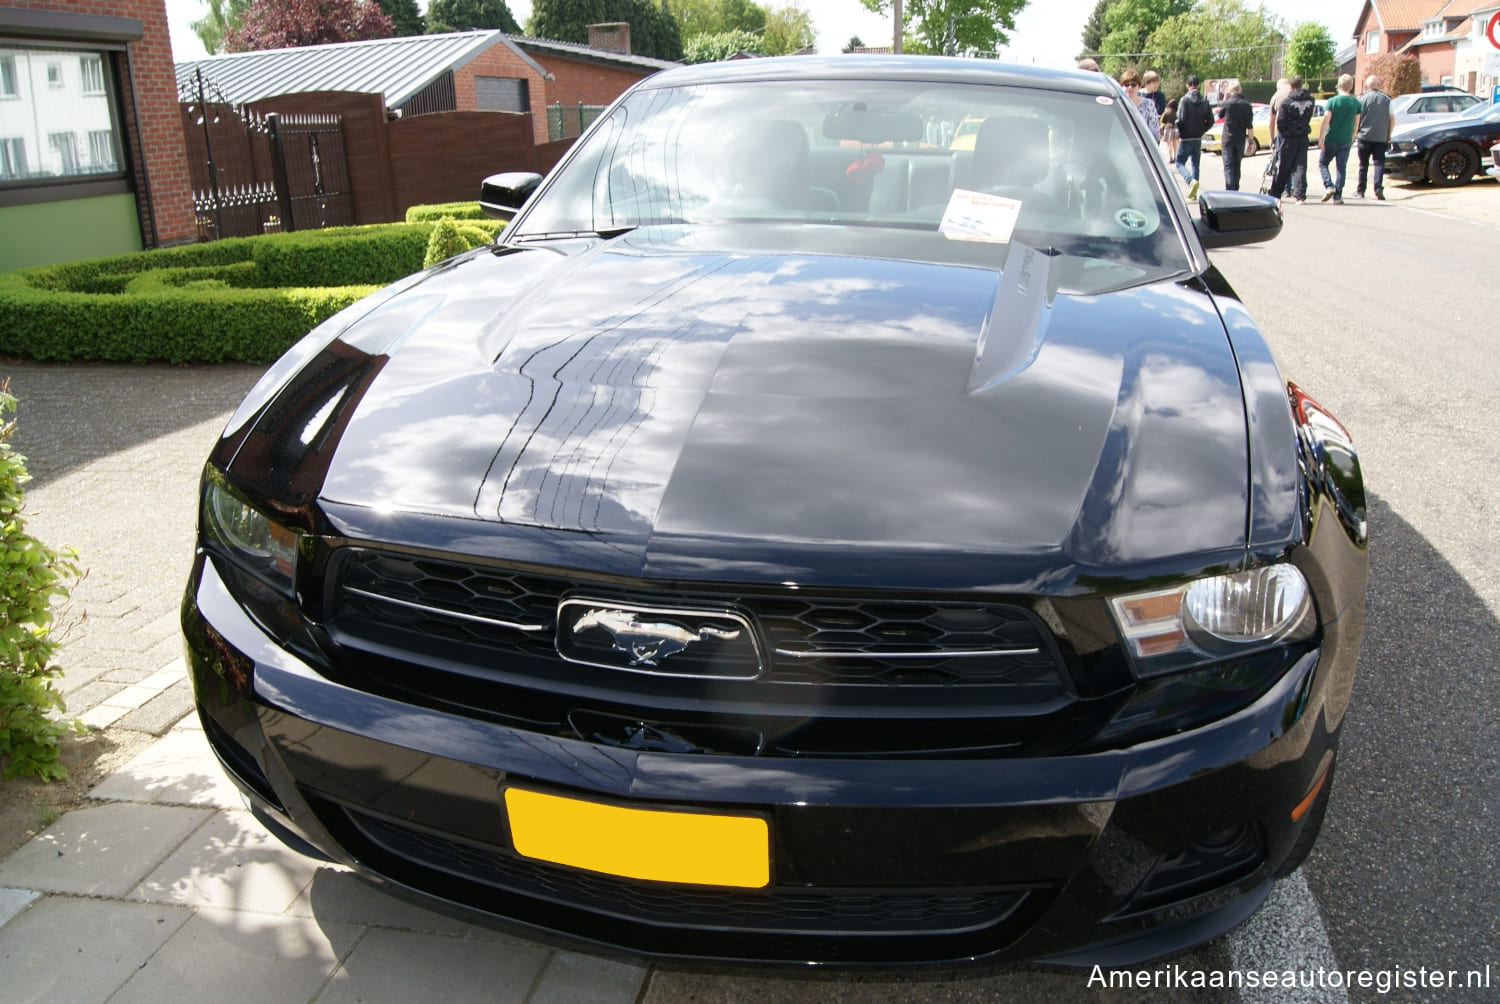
x=499 y=61
x=581 y=81
x=160 y=138
x=366 y=145
x=444 y=157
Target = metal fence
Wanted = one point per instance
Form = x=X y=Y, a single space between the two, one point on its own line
x=567 y=121
x=255 y=173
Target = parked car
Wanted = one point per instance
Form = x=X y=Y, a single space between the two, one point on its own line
x=775 y=549
x=1448 y=151
x=1255 y=141
x=1260 y=135
x=1410 y=108
x=1494 y=169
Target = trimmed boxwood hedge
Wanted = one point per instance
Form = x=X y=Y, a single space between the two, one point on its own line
x=433 y=212
x=238 y=299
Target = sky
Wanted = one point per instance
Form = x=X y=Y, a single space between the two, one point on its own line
x=1047 y=31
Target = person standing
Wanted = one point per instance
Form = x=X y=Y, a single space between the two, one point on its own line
x=1194 y=118
x=1151 y=87
x=1340 y=115
x=1376 y=120
x=1169 y=129
x=1294 y=124
x=1131 y=81
x=1281 y=91
x=1239 y=119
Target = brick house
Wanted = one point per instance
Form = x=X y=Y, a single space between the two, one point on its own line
x=1446 y=36
x=460 y=71
x=92 y=159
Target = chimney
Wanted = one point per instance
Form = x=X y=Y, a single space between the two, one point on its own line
x=611 y=37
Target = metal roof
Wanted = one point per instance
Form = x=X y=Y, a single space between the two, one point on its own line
x=576 y=51
x=396 y=67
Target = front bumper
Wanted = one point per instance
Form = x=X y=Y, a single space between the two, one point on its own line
x=1406 y=166
x=1118 y=856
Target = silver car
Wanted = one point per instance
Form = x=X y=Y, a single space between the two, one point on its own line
x=1409 y=108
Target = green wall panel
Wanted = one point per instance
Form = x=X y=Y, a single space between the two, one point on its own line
x=46 y=232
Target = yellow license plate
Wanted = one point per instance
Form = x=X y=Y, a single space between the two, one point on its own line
x=655 y=844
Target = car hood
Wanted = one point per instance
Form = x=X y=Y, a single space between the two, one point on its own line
x=677 y=405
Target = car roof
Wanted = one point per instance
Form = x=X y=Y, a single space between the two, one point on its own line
x=867 y=67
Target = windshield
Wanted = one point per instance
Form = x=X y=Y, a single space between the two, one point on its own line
x=1484 y=111
x=939 y=164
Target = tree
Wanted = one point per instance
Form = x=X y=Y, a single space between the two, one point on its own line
x=466 y=15
x=1096 y=27
x=287 y=24
x=713 y=17
x=1217 y=39
x=653 y=30
x=1399 y=74
x=212 y=27
x=788 y=29
x=1309 y=53
x=855 y=42
x=1130 y=23
x=953 y=26
x=406 y=19
x=713 y=48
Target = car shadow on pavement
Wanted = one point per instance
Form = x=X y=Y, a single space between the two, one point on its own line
x=70 y=414
x=1404 y=872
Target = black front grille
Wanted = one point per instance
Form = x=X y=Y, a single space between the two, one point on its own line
x=813 y=640
x=781 y=911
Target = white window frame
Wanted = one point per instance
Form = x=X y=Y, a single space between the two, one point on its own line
x=91 y=71
x=1372 y=42
x=12 y=158
x=54 y=73
x=9 y=87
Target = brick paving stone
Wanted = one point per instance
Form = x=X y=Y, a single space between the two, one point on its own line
x=70 y=949
x=231 y=863
x=103 y=850
x=572 y=978
x=160 y=713
x=228 y=956
x=406 y=966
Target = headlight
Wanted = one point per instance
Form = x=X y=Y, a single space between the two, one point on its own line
x=247 y=535
x=1167 y=629
x=1403 y=148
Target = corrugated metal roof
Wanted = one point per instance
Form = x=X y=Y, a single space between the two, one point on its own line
x=585 y=52
x=395 y=67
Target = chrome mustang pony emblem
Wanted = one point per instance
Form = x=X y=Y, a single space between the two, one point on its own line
x=646 y=642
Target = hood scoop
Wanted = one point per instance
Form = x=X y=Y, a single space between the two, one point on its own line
x=1017 y=325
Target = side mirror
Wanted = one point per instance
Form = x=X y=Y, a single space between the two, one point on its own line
x=1230 y=218
x=502 y=195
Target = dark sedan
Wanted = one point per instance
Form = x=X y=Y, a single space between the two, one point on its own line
x=1447 y=151
x=797 y=540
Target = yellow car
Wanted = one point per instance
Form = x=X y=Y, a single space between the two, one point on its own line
x=1259 y=138
x=965 y=134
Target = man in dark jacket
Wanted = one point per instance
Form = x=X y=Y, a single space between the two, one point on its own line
x=1239 y=119
x=1194 y=118
x=1293 y=125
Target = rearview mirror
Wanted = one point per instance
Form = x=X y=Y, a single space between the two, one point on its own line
x=1228 y=219
x=501 y=196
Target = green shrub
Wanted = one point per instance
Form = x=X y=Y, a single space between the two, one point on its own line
x=445 y=210
x=377 y=254
x=31 y=576
x=244 y=299
x=450 y=237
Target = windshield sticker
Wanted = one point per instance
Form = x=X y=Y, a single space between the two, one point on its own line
x=975 y=216
x=1103 y=100
x=1131 y=219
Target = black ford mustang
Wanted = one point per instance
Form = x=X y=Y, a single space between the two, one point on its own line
x=797 y=539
